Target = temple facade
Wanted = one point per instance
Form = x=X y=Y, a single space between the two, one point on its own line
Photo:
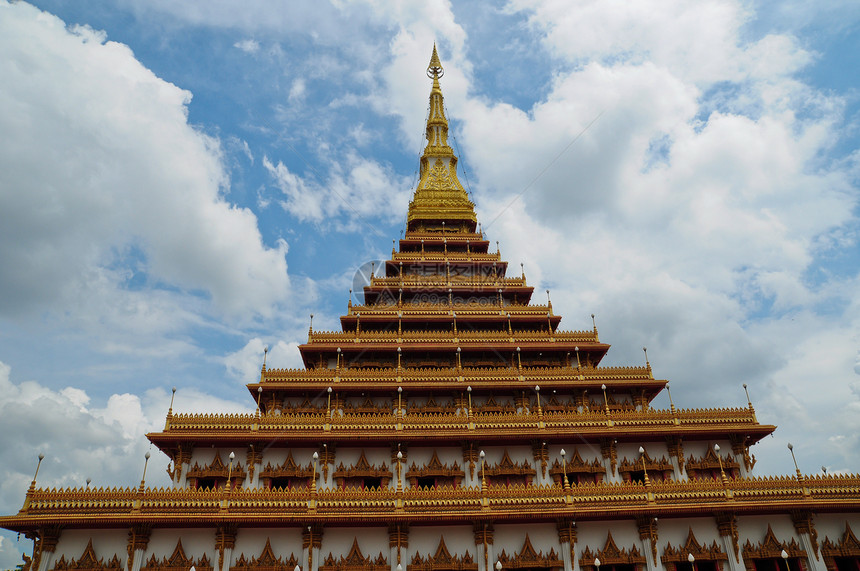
x=452 y=425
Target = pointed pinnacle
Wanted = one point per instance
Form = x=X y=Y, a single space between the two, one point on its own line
x=434 y=70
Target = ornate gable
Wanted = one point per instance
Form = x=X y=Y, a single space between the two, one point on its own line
x=848 y=546
x=442 y=560
x=507 y=467
x=177 y=561
x=88 y=561
x=529 y=558
x=770 y=547
x=692 y=546
x=289 y=469
x=217 y=469
x=362 y=469
x=265 y=562
x=711 y=462
x=611 y=555
x=355 y=561
x=435 y=467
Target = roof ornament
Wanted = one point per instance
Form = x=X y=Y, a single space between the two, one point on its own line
x=434 y=70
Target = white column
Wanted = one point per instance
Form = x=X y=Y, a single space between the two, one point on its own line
x=137 y=560
x=816 y=562
x=47 y=557
x=649 y=555
x=565 y=555
x=228 y=559
x=735 y=563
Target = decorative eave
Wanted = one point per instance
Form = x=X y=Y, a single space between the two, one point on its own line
x=492 y=428
x=181 y=507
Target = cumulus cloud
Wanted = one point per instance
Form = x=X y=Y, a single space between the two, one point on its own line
x=359 y=188
x=245 y=364
x=689 y=215
x=98 y=157
x=83 y=439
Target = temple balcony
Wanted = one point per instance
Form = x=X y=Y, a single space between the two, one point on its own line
x=462 y=337
x=119 y=507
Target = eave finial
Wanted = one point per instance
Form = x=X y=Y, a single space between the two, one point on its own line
x=434 y=70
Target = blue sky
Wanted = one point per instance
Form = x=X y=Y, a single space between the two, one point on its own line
x=182 y=184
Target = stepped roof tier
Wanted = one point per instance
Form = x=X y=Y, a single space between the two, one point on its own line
x=449 y=406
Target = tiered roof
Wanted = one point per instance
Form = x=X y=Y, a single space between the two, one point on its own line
x=444 y=318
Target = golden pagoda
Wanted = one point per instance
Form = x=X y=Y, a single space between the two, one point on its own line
x=451 y=425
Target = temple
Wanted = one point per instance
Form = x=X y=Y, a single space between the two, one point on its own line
x=452 y=425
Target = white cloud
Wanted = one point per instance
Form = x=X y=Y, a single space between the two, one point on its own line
x=245 y=364
x=98 y=157
x=249 y=46
x=83 y=440
x=357 y=188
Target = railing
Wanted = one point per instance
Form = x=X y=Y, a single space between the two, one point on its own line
x=411 y=421
x=462 y=336
x=464 y=309
x=675 y=496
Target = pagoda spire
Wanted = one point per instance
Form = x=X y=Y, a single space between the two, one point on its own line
x=439 y=197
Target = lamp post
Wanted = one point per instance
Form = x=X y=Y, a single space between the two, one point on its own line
x=259 y=396
x=644 y=467
x=692 y=561
x=481 y=454
x=39 y=463
x=791 y=449
x=564 y=469
x=597 y=563
x=498 y=566
x=469 y=392
x=142 y=478
x=399 y=482
x=230 y=470
x=328 y=403
x=784 y=555
x=399 y=401
x=316 y=457
x=537 y=391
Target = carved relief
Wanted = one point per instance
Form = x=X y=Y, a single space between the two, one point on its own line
x=177 y=561
x=727 y=525
x=848 y=546
x=528 y=558
x=265 y=562
x=215 y=474
x=355 y=561
x=508 y=472
x=658 y=470
x=287 y=475
x=362 y=475
x=770 y=548
x=803 y=523
x=709 y=466
x=692 y=546
x=611 y=555
x=578 y=470
x=442 y=560
x=441 y=474
x=88 y=562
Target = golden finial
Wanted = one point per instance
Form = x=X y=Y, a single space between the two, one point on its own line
x=434 y=70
